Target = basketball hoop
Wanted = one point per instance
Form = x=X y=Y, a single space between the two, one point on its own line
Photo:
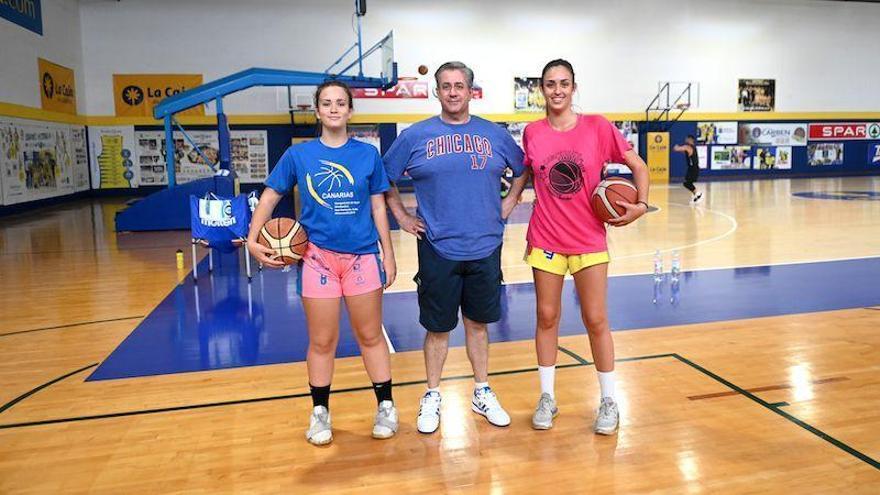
x=302 y=114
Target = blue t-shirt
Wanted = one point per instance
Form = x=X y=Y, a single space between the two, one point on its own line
x=456 y=171
x=335 y=185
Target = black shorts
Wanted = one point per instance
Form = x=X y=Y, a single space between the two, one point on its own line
x=692 y=174
x=445 y=285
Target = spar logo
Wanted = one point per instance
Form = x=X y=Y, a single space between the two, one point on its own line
x=844 y=131
x=132 y=95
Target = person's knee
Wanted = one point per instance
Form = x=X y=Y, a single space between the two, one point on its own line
x=372 y=339
x=323 y=344
x=436 y=339
x=548 y=316
x=475 y=327
x=596 y=323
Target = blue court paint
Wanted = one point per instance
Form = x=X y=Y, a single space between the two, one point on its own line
x=698 y=297
x=229 y=326
x=222 y=322
x=840 y=195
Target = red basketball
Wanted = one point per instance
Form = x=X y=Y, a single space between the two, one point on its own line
x=608 y=193
x=287 y=237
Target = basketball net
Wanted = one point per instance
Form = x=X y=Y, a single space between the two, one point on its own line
x=303 y=114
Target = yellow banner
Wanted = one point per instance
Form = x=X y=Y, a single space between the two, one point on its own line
x=135 y=95
x=658 y=157
x=57 y=87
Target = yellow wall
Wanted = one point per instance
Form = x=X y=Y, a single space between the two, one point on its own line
x=24 y=112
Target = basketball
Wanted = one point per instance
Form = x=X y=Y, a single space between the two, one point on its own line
x=423 y=69
x=566 y=178
x=287 y=237
x=608 y=193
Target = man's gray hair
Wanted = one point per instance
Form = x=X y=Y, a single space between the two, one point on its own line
x=468 y=73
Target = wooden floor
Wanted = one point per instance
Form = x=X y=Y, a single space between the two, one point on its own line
x=787 y=404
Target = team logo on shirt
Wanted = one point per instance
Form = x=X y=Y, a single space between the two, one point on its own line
x=458 y=143
x=563 y=173
x=332 y=180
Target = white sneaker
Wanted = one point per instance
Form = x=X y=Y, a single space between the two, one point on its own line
x=485 y=403
x=385 y=425
x=429 y=413
x=544 y=413
x=698 y=198
x=319 y=432
x=607 y=417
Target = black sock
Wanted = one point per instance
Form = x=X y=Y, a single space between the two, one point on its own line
x=320 y=396
x=383 y=391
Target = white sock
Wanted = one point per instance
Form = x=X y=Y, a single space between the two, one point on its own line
x=435 y=389
x=548 y=378
x=606 y=383
x=479 y=385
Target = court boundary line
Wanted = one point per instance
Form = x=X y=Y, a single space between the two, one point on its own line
x=33 y=391
x=388 y=340
x=289 y=396
x=58 y=327
x=574 y=356
x=701 y=269
x=777 y=408
x=104 y=250
x=581 y=362
x=734 y=227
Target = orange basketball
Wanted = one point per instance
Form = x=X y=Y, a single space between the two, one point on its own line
x=287 y=237
x=608 y=193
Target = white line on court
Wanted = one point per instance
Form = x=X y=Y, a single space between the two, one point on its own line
x=731 y=230
x=388 y=340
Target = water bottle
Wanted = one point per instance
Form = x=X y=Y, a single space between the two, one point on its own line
x=658 y=266
x=674 y=291
x=676 y=266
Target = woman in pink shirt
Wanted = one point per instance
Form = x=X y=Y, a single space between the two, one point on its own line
x=566 y=153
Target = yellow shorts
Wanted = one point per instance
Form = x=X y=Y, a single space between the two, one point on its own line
x=560 y=264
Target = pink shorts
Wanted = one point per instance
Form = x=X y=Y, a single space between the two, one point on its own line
x=326 y=274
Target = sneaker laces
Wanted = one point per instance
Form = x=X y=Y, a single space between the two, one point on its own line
x=486 y=395
x=608 y=408
x=383 y=415
x=385 y=408
x=319 y=420
x=431 y=400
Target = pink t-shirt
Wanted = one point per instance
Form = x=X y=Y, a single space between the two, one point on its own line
x=566 y=167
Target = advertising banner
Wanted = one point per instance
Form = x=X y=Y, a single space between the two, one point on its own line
x=844 y=131
x=756 y=95
x=769 y=134
x=658 y=157
x=135 y=95
x=57 y=87
x=716 y=132
x=825 y=154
